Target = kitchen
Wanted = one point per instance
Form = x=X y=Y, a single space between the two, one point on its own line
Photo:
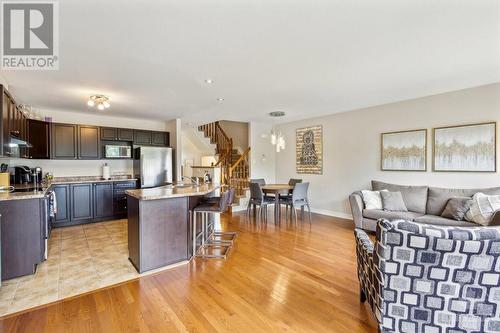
x=63 y=211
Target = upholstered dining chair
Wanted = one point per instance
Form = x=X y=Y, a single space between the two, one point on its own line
x=428 y=278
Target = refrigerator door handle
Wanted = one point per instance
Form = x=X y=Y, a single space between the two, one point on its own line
x=142 y=169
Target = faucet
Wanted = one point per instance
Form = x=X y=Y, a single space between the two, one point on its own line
x=193 y=180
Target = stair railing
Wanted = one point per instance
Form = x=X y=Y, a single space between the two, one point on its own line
x=239 y=172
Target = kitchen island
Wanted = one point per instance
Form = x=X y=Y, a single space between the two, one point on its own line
x=160 y=224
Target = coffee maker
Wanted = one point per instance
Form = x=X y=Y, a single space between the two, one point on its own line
x=22 y=174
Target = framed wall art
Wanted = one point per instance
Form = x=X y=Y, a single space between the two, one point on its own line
x=404 y=150
x=465 y=148
x=309 y=150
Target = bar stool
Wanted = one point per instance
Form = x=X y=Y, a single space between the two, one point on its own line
x=206 y=208
x=217 y=237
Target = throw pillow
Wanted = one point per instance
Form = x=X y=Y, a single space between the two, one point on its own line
x=393 y=201
x=456 y=208
x=483 y=207
x=372 y=199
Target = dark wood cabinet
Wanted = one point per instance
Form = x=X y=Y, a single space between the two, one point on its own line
x=103 y=200
x=117 y=134
x=125 y=134
x=63 y=199
x=142 y=137
x=109 y=133
x=5 y=137
x=22 y=229
x=39 y=138
x=160 y=138
x=88 y=142
x=81 y=202
x=64 y=141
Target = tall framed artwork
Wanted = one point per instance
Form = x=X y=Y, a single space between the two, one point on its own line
x=465 y=148
x=404 y=150
x=309 y=150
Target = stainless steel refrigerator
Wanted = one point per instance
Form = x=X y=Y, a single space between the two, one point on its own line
x=153 y=166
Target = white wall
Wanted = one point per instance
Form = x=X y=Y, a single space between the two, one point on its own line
x=3 y=82
x=352 y=145
x=262 y=152
x=238 y=131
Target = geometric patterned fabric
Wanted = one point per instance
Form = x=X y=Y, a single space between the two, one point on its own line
x=431 y=279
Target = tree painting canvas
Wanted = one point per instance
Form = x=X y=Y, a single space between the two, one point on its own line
x=404 y=151
x=309 y=150
x=465 y=148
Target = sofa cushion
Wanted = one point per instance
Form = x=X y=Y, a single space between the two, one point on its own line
x=438 y=220
x=393 y=201
x=382 y=214
x=438 y=197
x=456 y=208
x=415 y=197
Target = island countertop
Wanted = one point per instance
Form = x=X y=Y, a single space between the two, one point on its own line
x=172 y=191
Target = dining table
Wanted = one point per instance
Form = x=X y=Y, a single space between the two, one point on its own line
x=278 y=190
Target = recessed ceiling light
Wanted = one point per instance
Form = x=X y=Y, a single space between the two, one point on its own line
x=220 y=99
x=277 y=114
x=209 y=81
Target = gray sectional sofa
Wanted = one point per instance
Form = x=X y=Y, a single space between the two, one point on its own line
x=425 y=205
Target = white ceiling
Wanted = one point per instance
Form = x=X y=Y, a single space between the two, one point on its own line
x=304 y=57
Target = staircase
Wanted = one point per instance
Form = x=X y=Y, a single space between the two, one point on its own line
x=234 y=165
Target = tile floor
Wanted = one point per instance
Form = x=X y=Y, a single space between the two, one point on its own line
x=80 y=259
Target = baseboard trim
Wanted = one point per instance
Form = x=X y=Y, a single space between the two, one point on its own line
x=332 y=213
x=314 y=210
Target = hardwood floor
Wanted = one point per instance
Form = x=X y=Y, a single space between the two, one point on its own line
x=287 y=278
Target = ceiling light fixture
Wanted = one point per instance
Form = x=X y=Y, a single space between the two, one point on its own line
x=277 y=138
x=100 y=101
x=220 y=99
x=209 y=81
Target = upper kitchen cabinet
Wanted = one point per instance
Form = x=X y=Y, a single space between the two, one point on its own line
x=117 y=134
x=125 y=134
x=109 y=133
x=88 y=142
x=39 y=137
x=142 y=137
x=64 y=141
x=160 y=138
x=7 y=101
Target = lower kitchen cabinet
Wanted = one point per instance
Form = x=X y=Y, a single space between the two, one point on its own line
x=62 y=216
x=81 y=202
x=103 y=200
x=90 y=202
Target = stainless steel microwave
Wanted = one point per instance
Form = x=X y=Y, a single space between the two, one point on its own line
x=116 y=151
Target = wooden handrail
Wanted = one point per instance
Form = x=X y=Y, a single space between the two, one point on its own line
x=222 y=157
x=243 y=156
x=217 y=125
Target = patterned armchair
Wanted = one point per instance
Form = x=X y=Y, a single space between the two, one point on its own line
x=431 y=279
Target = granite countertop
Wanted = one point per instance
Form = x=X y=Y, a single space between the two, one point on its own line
x=27 y=191
x=171 y=191
x=88 y=179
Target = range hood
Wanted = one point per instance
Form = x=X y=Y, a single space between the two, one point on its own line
x=15 y=141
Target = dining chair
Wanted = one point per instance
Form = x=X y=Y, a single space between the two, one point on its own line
x=294 y=181
x=298 y=199
x=257 y=198
x=260 y=181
